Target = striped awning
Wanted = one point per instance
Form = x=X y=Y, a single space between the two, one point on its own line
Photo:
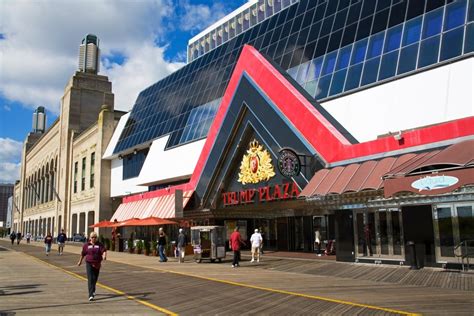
x=162 y=206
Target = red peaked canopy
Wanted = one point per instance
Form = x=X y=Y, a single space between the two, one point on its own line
x=103 y=223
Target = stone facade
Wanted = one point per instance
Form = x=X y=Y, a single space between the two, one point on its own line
x=50 y=200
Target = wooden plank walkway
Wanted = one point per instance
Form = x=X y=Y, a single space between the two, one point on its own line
x=272 y=286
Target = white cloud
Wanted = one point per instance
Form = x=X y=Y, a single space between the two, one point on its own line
x=39 y=51
x=198 y=17
x=10 y=155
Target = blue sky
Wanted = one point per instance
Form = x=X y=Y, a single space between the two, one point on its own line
x=141 y=42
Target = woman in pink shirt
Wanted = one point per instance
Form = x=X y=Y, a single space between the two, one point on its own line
x=94 y=252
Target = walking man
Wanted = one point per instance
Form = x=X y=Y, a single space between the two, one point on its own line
x=235 y=243
x=48 y=240
x=256 y=241
x=12 y=237
x=61 y=242
x=94 y=252
x=181 y=245
x=162 y=245
x=18 y=238
x=28 y=237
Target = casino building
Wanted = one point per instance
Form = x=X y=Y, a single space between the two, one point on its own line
x=354 y=118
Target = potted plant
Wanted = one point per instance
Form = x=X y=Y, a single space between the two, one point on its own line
x=139 y=246
x=130 y=245
x=107 y=243
x=147 y=248
x=154 y=247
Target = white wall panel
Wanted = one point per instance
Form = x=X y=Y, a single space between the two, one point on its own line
x=121 y=187
x=174 y=164
x=438 y=95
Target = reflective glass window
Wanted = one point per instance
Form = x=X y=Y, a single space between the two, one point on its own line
x=432 y=24
x=415 y=8
x=412 y=31
x=429 y=49
x=353 y=77
x=469 y=39
x=349 y=34
x=452 y=43
x=329 y=63
x=358 y=54
x=388 y=65
x=455 y=15
x=340 y=20
x=397 y=14
x=315 y=68
x=393 y=38
x=302 y=72
x=470 y=13
x=337 y=84
x=354 y=12
x=327 y=25
x=364 y=28
x=375 y=45
x=343 y=57
x=311 y=86
x=380 y=21
x=408 y=56
x=371 y=70
x=323 y=87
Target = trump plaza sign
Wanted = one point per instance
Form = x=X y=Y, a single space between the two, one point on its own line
x=267 y=193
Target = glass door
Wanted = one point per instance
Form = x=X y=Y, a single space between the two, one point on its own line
x=453 y=223
x=379 y=233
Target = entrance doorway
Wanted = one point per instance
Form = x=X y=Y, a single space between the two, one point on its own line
x=452 y=223
x=379 y=233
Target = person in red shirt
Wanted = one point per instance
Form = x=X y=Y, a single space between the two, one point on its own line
x=235 y=242
x=94 y=252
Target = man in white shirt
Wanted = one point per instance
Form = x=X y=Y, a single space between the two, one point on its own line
x=256 y=240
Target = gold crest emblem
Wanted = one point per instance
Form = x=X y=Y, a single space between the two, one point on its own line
x=256 y=165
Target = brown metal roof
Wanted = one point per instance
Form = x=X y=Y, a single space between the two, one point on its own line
x=459 y=155
x=352 y=178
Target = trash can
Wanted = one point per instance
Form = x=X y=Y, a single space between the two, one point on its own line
x=411 y=253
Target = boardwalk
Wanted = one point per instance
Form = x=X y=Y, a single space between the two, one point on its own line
x=275 y=285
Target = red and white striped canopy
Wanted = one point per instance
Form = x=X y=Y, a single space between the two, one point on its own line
x=162 y=207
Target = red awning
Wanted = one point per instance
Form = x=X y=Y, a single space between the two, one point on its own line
x=103 y=223
x=352 y=178
x=161 y=207
x=434 y=172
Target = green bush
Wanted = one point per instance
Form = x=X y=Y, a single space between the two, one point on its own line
x=139 y=246
x=107 y=243
x=130 y=245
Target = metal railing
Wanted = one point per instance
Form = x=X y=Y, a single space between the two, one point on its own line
x=465 y=250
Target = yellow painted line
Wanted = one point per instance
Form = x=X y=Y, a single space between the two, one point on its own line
x=130 y=297
x=315 y=297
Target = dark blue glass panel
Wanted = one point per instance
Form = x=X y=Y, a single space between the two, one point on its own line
x=329 y=63
x=452 y=44
x=388 y=65
x=393 y=38
x=323 y=87
x=337 y=84
x=455 y=15
x=364 y=28
x=343 y=57
x=408 y=57
x=353 y=77
x=429 y=49
x=470 y=13
x=415 y=8
x=432 y=24
x=469 y=39
x=358 y=54
x=412 y=31
x=397 y=14
x=375 y=45
x=380 y=21
x=354 y=13
x=371 y=71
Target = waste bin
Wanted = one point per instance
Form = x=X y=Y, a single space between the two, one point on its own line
x=411 y=254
